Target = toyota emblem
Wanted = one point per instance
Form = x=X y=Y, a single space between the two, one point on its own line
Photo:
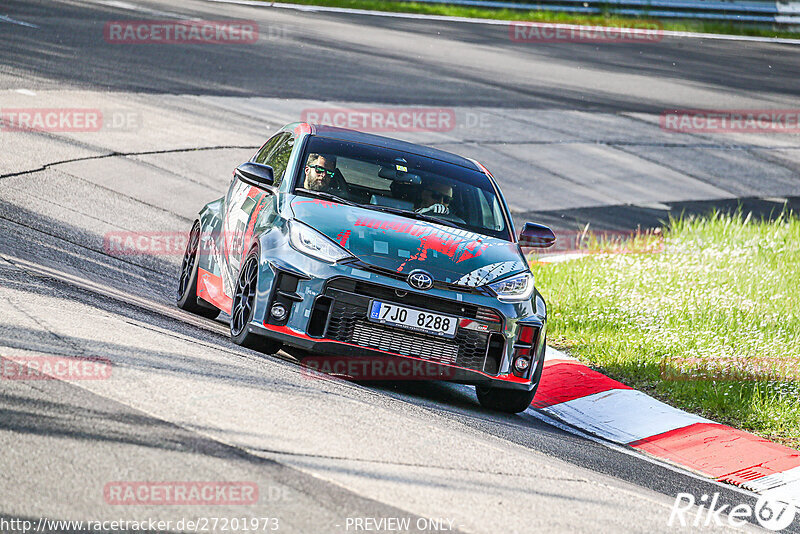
x=420 y=280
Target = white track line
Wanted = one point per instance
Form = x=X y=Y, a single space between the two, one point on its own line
x=783 y=486
x=4 y=18
x=493 y=22
x=119 y=4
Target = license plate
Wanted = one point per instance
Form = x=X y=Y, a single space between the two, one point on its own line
x=412 y=319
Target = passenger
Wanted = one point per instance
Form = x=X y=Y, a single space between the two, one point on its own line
x=435 y=198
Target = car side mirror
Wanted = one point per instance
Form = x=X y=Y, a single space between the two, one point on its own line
x=536 y=236
x=255 y=174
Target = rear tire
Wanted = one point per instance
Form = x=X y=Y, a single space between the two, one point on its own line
x=187 y=281
x=243 y=307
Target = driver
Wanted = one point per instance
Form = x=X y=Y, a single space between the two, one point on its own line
x=320 y=169
x=435 y=198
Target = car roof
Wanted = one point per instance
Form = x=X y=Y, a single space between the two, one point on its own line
x=343 y=134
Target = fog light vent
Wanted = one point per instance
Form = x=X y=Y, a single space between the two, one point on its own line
x=278 y=311
x=522 y=363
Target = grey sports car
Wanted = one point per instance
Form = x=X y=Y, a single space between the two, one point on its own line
x=357 y=248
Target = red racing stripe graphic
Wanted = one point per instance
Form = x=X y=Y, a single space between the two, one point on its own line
x=449 y=244
x=209 y=288
x=319 y=202
x=252 y=223
x=342 y=238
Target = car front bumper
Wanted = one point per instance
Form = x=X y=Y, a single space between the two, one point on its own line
x=328 y=305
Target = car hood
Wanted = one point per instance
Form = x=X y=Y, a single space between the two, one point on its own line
x=390 y=241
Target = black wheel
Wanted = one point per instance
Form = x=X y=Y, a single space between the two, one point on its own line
x=187 y=283
x=504 y=400
x=509 y=400
x=244 y=299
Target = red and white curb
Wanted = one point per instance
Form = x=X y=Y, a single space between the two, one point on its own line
x=590 y=401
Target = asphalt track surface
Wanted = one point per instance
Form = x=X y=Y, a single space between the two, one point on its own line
x=571 y=130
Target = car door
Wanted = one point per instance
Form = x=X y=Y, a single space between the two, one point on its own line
x=244 y=203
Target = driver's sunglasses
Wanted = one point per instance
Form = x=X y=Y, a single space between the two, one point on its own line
x=320 y=169
x=438 y=196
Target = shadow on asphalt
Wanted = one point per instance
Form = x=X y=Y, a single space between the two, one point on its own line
x=292 y=66
x=630 y=217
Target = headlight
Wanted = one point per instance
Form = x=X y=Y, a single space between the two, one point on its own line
x=308 y=241
x=514 y=289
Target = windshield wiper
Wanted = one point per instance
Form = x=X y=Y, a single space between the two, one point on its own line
x=326 y=196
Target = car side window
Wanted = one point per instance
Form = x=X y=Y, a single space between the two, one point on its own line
x=263 y=153
x=492 y=215
x=278 y=159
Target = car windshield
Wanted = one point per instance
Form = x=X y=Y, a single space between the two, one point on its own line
x=399 y=182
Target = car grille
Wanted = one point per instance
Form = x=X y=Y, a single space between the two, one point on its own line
x=376 y=337
x=416 y=300
x=348 y=323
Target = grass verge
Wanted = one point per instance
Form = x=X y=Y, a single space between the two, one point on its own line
x=705 y=317
x=548 y=16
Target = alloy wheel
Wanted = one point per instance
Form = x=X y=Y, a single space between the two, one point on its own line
x=244 y=297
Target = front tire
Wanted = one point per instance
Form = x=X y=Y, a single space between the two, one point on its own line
x=243 y=307
x=187 y=282
x=509 y=400
x=504 y=400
